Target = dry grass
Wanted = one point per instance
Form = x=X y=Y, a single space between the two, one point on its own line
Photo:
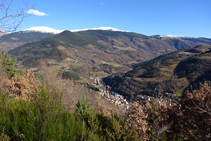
x=61 y=48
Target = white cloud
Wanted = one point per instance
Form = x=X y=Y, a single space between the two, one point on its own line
x=36 y=12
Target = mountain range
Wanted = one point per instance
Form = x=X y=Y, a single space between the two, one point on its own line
x=96 y=53
x=12 y=40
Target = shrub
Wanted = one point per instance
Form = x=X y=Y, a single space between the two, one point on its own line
x=70 y=75
x=196 y=109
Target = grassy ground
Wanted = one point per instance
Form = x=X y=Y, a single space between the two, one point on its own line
x=179 y=93
x=186 y=53
x=77 y=64
x=99 y=74
x=168 y=71
x=82 y=80
x=112 y=64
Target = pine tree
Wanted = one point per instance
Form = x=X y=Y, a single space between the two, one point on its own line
x=8 y=64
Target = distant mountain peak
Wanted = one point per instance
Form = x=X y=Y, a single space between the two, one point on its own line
x=43 y=29
x=55 y=31
x=3 y=33
x=101 y=28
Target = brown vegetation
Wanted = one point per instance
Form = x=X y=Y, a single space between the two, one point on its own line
x=191 y=122
x=21 y=87
x=196 y=109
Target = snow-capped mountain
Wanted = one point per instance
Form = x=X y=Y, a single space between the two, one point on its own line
x=3 y=33
x=101 y=28
x=45 y=29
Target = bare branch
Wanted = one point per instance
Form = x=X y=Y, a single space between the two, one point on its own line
x=202 y=110
x=12 y=18
x=165 y=127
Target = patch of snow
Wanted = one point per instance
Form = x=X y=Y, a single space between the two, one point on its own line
x=43 y=29
x=174 y=36
x=3 y=33
x=101 y=28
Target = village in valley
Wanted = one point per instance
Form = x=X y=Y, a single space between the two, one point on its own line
x=104 y=91
x=162 y=98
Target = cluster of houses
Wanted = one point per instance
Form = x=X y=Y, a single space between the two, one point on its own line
x=159 y=101
x=119 y=100
x=170 y=94
x=143 y=97
x=115 y=98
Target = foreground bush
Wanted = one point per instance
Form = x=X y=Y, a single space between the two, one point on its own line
x=165 y=122
x=45 y=119
x=196 y=109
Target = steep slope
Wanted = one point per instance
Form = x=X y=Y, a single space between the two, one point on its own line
x=95 y=53
x=173 y=72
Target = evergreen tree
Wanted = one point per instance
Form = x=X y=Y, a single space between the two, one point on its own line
x=8 y=64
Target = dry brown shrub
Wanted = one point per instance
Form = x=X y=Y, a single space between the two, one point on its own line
x=21 y=87
x=196 y=109
x=137 y=117
x=151 y=120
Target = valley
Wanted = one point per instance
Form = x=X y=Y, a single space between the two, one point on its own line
x=118 y=77
x=124 y=60
x=98 y=53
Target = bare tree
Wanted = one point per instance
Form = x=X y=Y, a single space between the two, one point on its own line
x=11 y=18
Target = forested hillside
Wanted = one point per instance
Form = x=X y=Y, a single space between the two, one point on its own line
x=174 y=72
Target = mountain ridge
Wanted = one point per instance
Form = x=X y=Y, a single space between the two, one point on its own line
x=45 y=29
x=97 y=53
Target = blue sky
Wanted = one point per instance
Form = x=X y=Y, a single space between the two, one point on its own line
x=149 y=17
